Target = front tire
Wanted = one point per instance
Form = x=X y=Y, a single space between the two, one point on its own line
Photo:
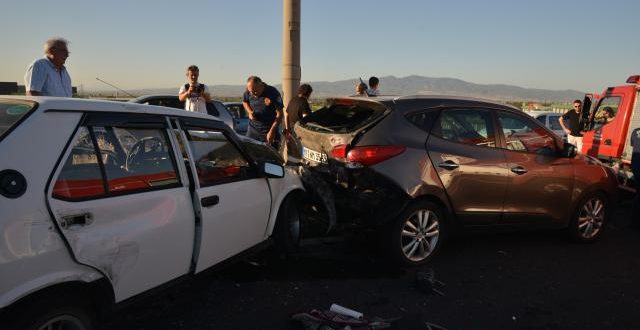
x=288 y=228
x=416 y=235
x=590 y=218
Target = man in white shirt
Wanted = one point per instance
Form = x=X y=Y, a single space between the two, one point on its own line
x=48 y=76
x=193 y=94
x=373 y=86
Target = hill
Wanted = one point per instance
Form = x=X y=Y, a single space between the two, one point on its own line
x=412 y=85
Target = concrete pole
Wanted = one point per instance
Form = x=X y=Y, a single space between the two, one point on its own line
x=291 y=71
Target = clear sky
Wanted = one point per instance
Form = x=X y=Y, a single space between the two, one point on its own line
x=550 y=44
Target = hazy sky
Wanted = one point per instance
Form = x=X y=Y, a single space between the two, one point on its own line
x=583 y=45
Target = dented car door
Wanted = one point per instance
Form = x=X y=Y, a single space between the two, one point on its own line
x=119 y=200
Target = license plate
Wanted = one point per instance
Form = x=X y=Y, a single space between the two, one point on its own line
x=314 y=156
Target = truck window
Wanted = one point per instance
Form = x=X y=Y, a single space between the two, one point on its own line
x=606 y=111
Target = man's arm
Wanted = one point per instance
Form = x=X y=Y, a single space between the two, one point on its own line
x=184 y=93
x=205 y=94
x=247 y=109
x=274 y=127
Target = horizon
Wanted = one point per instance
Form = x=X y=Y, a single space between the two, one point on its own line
x=147 y=45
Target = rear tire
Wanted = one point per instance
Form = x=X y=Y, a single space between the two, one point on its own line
x=62 y=311
x=416 y=235
x=589 y=219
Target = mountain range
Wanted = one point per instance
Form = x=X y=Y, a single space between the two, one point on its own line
x=410 y=85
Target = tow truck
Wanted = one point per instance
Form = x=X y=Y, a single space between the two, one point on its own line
x=608 y=139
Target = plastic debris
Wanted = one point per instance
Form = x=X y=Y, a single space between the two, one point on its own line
x=328 y=320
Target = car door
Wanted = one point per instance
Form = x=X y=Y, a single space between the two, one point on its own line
x=118 y=198
x=540 y=180
x=232 y=201
x=463 y=149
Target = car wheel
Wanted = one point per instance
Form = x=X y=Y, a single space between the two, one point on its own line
x=59 y=317
x=416 y=235
x=589 y=218
x=288 y=224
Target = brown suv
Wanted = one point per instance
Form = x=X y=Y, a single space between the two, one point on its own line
x=419 y=167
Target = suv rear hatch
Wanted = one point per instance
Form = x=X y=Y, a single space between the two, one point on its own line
x=339 y=123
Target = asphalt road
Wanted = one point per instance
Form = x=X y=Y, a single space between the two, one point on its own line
x=531 y=280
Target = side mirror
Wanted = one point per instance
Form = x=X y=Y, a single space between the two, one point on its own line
x=271 y=170
x=569 y=150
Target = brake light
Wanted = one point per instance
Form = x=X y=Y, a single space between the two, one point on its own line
x=371 y=155
x=633 y=79
x=339 y=151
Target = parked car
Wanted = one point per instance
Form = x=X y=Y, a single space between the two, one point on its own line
x=551 y=120
x=419 y=168
x=240 y=115
x=214 y=107
x=101 y=201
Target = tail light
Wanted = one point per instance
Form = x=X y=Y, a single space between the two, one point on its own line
x=366 y=155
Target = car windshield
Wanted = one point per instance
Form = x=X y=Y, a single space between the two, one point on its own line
x=343 y=116
x=11 y=112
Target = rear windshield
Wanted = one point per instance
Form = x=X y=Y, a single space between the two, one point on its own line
x=11 y=112
x=343 y=116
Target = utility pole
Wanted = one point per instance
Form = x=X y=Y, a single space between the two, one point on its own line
x=291 y=71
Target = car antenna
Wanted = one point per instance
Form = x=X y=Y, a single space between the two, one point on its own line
x=114 y=86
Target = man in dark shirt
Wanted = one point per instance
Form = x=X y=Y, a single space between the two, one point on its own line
x=263 y=105
x=570 y=123
x=297 y=108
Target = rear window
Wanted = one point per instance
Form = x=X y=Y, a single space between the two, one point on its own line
x=343 y=116
x=11 y=112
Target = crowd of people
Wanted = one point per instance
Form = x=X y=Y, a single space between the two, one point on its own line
x=263 y=103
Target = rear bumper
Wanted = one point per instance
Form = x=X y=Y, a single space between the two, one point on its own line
x=360 y=196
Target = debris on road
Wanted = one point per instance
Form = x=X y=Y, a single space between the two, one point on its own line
x=426 y=282
x=328 y=320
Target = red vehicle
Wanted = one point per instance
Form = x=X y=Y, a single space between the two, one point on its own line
x=613 y=116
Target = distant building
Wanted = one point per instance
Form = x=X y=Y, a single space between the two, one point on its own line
x=8 y=88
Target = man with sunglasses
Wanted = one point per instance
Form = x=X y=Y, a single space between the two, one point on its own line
x=48 y=76
x=570 y=123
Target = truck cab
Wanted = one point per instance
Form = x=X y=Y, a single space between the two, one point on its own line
x=608 y=125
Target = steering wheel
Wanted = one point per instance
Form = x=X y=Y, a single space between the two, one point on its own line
x=150 y=144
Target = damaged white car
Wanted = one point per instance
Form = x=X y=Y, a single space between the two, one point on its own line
x=101 y=201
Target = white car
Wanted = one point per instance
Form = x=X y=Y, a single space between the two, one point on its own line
x=101 y=201
x=551 y=120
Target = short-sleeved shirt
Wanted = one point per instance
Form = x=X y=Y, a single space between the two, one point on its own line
x=264 y=115
x=298 y=107
x=572 y=118
x=373 y=92
x=43 y=76
x=195 y=102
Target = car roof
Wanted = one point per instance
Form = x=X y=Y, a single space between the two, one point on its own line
x=408 y=103
x=539 y=113
x=65 y=104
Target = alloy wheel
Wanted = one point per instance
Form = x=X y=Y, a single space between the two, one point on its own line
x=63 y=322
x=420 y=235
x=591 y=218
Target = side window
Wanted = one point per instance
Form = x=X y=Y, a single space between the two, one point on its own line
x=136 y=158
x=472 y=127
x=554 y=123
x=522 y=134
x=606 y=111
x=424 y=120
x=130 y=159
x=216 y=159
x=542 y=119
x=80 y=177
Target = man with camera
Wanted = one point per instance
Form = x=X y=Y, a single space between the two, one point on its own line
x=193 y=94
